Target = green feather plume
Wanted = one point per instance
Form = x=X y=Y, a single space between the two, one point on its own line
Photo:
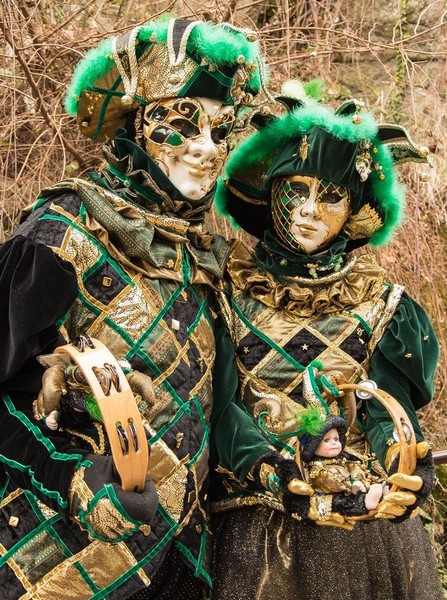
x=216 y=43
x=310 y=421
x=91 y=406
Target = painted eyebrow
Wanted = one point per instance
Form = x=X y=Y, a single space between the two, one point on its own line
x=331 y=187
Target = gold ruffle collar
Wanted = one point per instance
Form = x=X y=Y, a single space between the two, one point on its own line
x=299 y=297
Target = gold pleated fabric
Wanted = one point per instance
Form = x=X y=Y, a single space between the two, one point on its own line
x=262 y=554
x=361 y=283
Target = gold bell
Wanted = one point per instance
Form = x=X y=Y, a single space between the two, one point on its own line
x=251 y=36
x=424 y=176
x=357 y=119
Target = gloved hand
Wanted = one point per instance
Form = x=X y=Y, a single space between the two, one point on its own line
x=416 y=488
x=101 y=507
x=58 y=381
x=282 y=477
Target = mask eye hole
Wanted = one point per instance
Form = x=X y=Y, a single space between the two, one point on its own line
x=220 y=134
x=157 y=114
x=185 y=127
x=330 y=198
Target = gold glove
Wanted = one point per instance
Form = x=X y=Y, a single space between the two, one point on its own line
x=321 y=513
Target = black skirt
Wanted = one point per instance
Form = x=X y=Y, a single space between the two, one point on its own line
x=262 y=554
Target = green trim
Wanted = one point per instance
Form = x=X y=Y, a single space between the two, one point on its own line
x=206 y=434
x=39 y=437
x=266 y=339
x=51 y=531
x=92 y=307
x=103 y=110
x=38 y=203
x=199 y=570
x=101 y=260
x=83 y=213
x=137 y=346
x=361 y=320
x=203 y=306
x=7 y=479
x=29 y=536
x=128 y=182
x=165 y=382
x=128 y=574
x=313 y=382
x=273 y=438
x=184 y=408
x=85 y=576
x=328 y=385
x=63 y=219
x=107 y=491
x=186 y=267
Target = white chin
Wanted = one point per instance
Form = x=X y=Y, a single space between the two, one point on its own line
x=191 y=191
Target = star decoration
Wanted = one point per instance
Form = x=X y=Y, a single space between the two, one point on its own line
x=304 y=347
x=170 y=263
x=408 y=355
x=246 y=349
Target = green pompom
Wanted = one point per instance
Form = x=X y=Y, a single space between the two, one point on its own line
x=310 y=421
x=92 y=407
x=314 y=89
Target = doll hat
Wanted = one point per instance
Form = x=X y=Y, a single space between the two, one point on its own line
x=309 y=443
x=345 y=146
x=163 y=59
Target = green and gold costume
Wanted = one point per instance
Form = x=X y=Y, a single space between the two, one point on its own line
x=287 y=310
x=121 y=256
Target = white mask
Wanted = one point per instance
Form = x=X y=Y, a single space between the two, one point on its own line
x=187 y=138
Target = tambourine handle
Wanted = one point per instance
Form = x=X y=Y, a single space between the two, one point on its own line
x=402 y=423
x=119 y=411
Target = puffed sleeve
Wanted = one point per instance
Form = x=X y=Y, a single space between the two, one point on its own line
x=403 y=364
x=236 y=443
x=36 y=290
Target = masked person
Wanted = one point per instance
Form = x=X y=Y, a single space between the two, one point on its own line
x=306 y=313
x=122 y=257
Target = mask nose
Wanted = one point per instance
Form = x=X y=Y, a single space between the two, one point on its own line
x=203 y=149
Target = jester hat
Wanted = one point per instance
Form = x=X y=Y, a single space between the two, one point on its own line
x=345 y=146
x=163 y=59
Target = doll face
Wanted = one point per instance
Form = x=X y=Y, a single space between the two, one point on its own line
x=330 y=445
x=187 y=138
x=308 y=213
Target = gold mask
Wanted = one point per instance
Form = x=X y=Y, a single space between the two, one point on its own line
x=308 y=213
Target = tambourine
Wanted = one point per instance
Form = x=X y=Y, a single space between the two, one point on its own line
x=403 y=431
x=119 y=411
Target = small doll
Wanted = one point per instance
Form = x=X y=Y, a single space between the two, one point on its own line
x=332 y=470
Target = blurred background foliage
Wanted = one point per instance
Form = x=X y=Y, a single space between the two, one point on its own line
x=392 y=54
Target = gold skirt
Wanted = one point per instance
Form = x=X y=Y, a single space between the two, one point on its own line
x=262 y=554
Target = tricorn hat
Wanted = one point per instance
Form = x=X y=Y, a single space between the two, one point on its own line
x=163 y=59
x=345 y=146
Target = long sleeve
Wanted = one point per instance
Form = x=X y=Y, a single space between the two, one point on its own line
x=403 y=364
x=236 y=443
x=36 y=290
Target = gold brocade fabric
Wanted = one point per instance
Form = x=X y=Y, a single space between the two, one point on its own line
x=363 y=282
x=262 y=554
x=105 y=520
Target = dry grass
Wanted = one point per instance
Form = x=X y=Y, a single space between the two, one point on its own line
x=392 y=54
